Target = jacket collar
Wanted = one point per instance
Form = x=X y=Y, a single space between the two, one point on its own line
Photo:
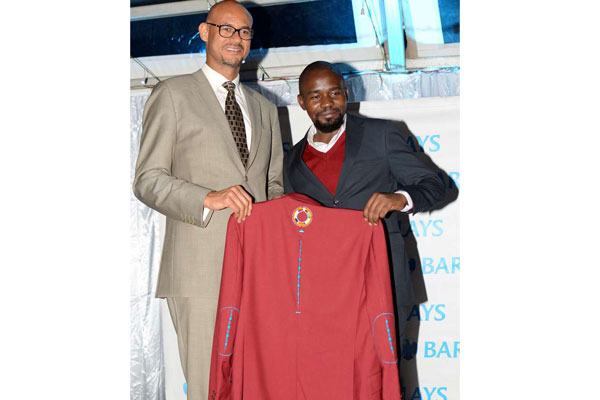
x=354 y=136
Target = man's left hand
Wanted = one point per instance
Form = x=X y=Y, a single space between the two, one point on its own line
x=380 y=204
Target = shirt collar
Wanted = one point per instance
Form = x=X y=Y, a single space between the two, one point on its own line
x=320 y=146
x=216 y=80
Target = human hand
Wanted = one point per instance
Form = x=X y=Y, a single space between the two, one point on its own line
x=234 y=197
x=380 y=204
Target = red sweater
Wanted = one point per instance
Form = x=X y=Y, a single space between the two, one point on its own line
x=326 y=166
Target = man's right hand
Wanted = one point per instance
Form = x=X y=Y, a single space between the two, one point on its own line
x=234 y=197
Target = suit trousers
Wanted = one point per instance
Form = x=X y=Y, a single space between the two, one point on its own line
x=194 y=320
x=401 y=324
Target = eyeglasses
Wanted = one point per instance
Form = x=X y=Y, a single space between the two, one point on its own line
x=228 y=31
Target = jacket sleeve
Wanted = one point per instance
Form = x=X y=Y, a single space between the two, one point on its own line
x=381 y=314
x=153 y=184
x=275 y=173
x=228 y=315
x=425 y=188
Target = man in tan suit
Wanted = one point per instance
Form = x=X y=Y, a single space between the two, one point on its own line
x=209 y=147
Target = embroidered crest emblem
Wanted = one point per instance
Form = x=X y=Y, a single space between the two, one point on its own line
x=302 y=216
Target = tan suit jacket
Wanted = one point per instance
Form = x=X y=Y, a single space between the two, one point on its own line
x=186 y=151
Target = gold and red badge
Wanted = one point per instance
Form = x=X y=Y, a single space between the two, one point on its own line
x=302 y=216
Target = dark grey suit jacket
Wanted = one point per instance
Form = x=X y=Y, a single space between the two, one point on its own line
x=377 y=159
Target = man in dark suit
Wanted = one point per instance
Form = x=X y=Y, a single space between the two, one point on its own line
x=348 y=161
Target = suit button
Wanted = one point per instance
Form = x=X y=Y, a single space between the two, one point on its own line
x=245 y=179
x=336 y=202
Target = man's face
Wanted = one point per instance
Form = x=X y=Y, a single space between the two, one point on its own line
x=222 y=51
x=324 y=96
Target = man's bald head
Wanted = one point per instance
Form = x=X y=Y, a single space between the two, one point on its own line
x=317 y=66
x=225 y=54
x=226 y=5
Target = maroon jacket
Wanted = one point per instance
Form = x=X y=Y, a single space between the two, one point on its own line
x=305 y=309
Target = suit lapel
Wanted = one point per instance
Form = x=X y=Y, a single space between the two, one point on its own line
x=354 y=135
x=255 y=113
x=213 y=108
x=307 y=174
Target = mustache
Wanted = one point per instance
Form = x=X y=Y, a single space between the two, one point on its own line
x=328 y=110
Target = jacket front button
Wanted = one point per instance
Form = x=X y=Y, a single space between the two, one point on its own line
x=336 y=202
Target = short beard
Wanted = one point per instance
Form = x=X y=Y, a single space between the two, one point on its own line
x=331 y=126
x=232 y=64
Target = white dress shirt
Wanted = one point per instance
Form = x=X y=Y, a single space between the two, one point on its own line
x=322 y=146
x=325 y=147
